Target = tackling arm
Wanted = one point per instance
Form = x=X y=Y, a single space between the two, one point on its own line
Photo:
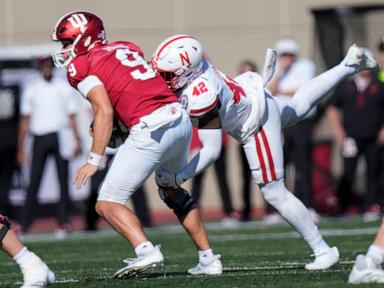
x=210 y=135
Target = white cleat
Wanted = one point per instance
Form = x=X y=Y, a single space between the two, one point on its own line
x=36 y=274
x=359 y=58
x=213 y=268
x=143 y=262
x=365 y=270
x=324 y=260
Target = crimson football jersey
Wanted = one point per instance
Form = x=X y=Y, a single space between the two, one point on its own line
x=134 y=89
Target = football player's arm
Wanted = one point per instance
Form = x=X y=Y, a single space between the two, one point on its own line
x=334 y=120
x=210 y=135
x=102 y=129
x=103 y=122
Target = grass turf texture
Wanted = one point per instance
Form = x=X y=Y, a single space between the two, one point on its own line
x=253 y=256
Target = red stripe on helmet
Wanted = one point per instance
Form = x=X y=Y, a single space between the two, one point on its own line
x=169 y=42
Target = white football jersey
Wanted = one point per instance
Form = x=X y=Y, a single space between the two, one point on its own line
x=238 y=114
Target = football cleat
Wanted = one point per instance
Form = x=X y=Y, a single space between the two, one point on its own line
x=359 y=58
x=324 y=260
x=365 y=270
x=138 y=265
x=213 y=268
x=36 y=274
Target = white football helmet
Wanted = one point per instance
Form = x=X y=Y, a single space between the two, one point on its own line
x=178 y=59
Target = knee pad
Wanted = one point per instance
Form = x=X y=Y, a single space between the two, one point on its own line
x=6 y=226
x=178 y=200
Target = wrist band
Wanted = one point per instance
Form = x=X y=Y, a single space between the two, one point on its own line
x=95 y=159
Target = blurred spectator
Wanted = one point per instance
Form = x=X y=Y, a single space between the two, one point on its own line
x=48 y=110
x=380 y=59
x=139 y=198
x=231 y=217
x=291 y=73
x=9 y=122
x=380 y=77
x=361 y=132
x=245 y=66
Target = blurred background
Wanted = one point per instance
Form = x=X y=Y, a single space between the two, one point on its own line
x=232 y=32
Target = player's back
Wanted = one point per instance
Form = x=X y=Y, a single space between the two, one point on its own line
x=134 y=89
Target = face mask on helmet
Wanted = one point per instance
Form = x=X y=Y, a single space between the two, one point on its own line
x=62 y=58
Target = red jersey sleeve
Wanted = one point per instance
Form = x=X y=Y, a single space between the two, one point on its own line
x=77 y=70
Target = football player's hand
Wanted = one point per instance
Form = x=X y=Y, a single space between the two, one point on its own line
x=82 y=175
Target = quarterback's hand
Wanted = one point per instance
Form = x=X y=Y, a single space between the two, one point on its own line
x=82 y=175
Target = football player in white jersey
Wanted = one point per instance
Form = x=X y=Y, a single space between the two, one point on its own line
x=248 y=112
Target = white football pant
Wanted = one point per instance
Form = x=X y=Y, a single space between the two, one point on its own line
x=264 y=149
x=142 y=153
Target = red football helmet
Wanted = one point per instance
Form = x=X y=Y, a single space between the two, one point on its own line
x=78 y=32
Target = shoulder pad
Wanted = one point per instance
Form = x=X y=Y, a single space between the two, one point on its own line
x=202 y=97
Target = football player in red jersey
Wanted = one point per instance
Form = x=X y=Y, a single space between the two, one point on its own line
x=119 y=83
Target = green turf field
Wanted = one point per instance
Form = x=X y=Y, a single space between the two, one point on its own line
x=253 y=256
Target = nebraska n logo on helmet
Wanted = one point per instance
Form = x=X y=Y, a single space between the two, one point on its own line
x=185 y=57
x=78 y=32
x=178 y=60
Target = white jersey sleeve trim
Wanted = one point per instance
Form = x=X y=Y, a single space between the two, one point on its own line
x=196 y=113
x=87 y=84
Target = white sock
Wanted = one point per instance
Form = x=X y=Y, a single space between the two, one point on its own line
x=319 y=247
x=23 y=256
x=295 y=213
x=377 y=253
x=206 y=256
x=144 y=248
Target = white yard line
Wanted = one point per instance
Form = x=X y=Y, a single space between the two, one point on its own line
x=80 y=235
x=293 y=234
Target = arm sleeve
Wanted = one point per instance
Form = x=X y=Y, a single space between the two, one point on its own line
x=211 y=140
x=85 y=85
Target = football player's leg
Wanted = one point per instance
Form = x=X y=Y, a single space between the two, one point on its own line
x=35 y=272
x=265 y=156
x=134 y=162
x=367 y=268
x=185 y=208
x=307 y=96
